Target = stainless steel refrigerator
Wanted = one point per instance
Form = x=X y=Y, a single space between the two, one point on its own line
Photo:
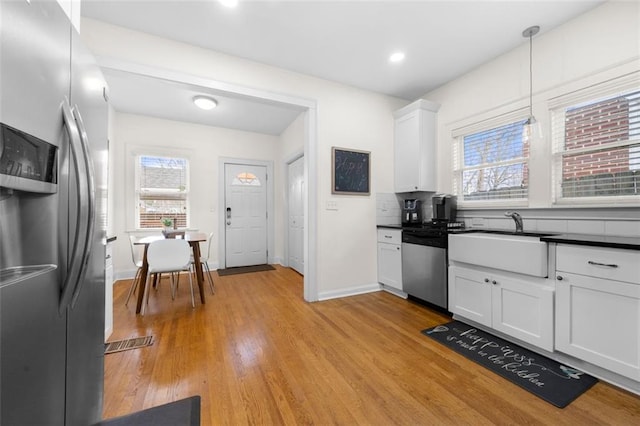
x=53 y=151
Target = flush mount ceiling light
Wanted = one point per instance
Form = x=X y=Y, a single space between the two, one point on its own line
x=532 y=127
x=228 y=3
x=396 y=57
x=205 y=102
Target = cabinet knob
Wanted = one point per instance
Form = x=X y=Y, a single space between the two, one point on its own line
x=559 y=278
x=494 y=282
x=398 y=248
x=486 y=280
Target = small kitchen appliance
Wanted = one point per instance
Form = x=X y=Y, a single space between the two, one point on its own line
x=444 y=208
x=412 y=212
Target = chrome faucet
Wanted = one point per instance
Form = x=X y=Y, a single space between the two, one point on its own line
x=516 y=218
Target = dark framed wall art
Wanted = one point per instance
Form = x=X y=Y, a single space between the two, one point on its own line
x=350 y=171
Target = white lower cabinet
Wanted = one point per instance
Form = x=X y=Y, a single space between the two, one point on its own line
x=390 y=257
x=108 y=291
x=598 y=307
x=521 y=307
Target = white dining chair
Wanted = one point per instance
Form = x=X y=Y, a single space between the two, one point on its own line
x=136 y=258
x=204 y=260
x=169 y=255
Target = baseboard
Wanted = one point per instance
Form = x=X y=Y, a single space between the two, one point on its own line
x=107 y=333
x=394 y=291
x=351 y=291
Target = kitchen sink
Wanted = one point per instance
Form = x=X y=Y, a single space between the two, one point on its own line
x=508 y=232
x=520 y=252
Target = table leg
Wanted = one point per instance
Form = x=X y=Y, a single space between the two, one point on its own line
x=198 y=267
x=143 y=279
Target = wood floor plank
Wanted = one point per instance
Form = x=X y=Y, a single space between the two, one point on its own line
x=258 y=354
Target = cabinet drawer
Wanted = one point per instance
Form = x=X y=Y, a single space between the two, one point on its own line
x=386 y=235
x=608 y=263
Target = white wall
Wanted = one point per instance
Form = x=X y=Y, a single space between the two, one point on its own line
x=346 y=117
x=599 y=45
x=202 y=145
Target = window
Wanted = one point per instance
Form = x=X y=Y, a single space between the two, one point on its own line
x=162 y=191
x=491 y=162
x=596 y=148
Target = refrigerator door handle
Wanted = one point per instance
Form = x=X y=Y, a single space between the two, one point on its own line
x=74 y=269
x=90 y=203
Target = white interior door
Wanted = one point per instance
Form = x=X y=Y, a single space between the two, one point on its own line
x=296 y=215
x=245 y=215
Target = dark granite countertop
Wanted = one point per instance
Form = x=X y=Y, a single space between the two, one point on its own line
x=631 y=243
x=611 y=241
x=396 y=226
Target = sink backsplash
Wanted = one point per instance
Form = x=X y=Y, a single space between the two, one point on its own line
x=556 y=221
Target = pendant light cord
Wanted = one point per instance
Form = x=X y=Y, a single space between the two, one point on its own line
x=530 y=77
x=530 y=32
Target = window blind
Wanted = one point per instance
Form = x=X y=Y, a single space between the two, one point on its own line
x=163 y=190
x=492 y=163
x=596 y=147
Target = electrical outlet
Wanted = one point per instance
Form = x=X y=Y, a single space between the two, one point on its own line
x=479 y=222
x=332 y=205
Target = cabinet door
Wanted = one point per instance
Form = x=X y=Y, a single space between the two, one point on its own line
x=470 y=295
x=599 y=321
x=108 y=292
x=390 y=265
x=407 y=150
x=523 y=310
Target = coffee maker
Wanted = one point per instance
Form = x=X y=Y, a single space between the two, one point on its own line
x=412 y=212
x=444 y=208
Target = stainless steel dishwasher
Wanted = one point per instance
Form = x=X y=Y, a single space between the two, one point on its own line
x=424 y=264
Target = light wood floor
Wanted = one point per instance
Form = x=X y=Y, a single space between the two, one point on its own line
x=258 y=354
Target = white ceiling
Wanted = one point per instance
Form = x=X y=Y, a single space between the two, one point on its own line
x=344 y=41
x=156 y=97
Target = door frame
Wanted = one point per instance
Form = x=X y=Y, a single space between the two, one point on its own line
x=222 y=163
x=287 y=162
x=311 y=173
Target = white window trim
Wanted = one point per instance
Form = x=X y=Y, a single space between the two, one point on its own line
x=609 y=88
x=469 y=127
x=138 y=191
x=133 y=152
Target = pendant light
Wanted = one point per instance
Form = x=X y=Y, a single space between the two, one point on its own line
x=532 y=127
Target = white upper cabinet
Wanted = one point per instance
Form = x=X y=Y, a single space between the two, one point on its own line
x=415 y=147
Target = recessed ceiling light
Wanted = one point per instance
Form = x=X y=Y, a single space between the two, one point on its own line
x=205 y=102
x=228 y=3
x=396 y=57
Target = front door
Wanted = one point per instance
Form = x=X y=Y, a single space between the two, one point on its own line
x=245 y=215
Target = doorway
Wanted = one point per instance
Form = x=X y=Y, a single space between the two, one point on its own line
x=309 y=106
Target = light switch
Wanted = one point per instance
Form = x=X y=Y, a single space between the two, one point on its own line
x=332 y=205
